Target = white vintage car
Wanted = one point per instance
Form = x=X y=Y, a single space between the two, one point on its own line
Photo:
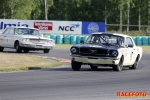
x=106 y=49
x=26 y=39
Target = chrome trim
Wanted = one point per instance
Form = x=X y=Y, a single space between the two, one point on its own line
x=75 y=55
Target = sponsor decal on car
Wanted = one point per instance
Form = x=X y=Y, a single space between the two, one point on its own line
x=1 y=39
x=43 y=25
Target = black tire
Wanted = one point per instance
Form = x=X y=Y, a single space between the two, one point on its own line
x=18 y=48
x=26 y=50
x=75 y=65
x=135 y=65
x=1 y=49
x=94 y=67
x=46 y=50
x=118 y=67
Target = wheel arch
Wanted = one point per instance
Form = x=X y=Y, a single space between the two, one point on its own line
x=15 y=43
x=122 y=58
x=138 y=57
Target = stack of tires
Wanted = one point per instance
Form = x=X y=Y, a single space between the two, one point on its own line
x=84 y=38
x=139 y=40
x=149 y=40
x=53 y=36
x=73 y=39
x=134 y=39
x=145 y=40
x=59 y=39
x=67 y=39
x=78 y=39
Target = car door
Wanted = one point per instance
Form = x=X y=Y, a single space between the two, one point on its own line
x=4 y=38
x=10 y=37
x=130 y=51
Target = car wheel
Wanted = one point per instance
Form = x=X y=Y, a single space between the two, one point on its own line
x=26 y=50
x=1 y=49
x=118 y=67
x=75 y=65
x=135 y=65
x=94 y=67
x=18 y=48
x=46 y=50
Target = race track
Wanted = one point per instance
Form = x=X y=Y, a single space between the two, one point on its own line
x=61 y=83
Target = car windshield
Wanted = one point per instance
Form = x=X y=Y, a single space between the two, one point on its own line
x=27 y=31
x=105 y=39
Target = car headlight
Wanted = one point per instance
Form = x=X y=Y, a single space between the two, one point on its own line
x=74 y=50
x=114 y=53
x=25 y=40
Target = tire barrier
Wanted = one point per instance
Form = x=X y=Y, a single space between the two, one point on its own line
x=53 y=36
x=59 y=39
x=84 y=38
x=139 y=40
x=149 y=40
x=78 y=39
x=75 y=39
x=67 y=39
x=134 y=39
x=145 y=40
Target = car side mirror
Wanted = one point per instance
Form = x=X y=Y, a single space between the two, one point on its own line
x=130 y=45
x=81 y=41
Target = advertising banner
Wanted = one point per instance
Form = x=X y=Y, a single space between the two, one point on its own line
x=4 y=23
x=55 y=27
x=67 y=27
x=51 y=27
x=91 y=27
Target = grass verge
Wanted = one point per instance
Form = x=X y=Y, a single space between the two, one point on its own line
x=146 y=48
x=63 y=46
x=16 y=62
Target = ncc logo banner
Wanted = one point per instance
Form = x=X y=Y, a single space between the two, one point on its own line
x=91 y=27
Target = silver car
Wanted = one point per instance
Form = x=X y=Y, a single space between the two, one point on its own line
x=25 y=39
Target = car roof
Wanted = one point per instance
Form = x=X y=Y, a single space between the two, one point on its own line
x=111 y=33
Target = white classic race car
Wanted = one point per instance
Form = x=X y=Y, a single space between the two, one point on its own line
x=26 y=39
x=106 y=49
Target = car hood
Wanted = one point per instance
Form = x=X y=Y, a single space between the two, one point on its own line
x=96 y=46
x=33 y=37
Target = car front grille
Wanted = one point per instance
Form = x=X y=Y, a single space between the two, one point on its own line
x=93 y=51
x=38 y=41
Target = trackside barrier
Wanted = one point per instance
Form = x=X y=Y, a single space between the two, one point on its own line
x=75 y=39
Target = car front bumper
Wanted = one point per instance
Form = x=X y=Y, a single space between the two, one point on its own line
x=37 y=46
x=95 y=60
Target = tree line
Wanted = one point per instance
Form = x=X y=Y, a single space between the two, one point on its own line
x=121 y=12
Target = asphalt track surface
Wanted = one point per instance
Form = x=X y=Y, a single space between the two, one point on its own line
x=61 y=83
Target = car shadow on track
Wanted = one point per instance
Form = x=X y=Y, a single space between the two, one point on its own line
x=31 y=52
x=83 y=69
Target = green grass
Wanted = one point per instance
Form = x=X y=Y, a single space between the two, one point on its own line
x=146 y=48
x=15 y=62
x=63 y=46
